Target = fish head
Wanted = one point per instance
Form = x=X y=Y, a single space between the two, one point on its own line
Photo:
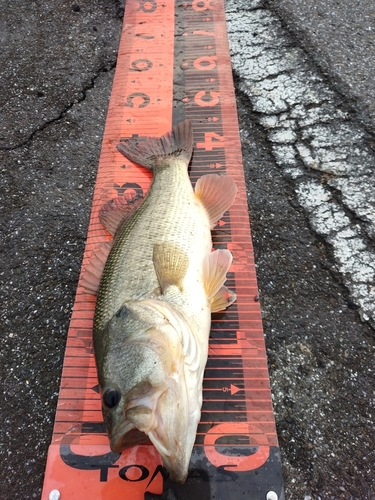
x=145 y=394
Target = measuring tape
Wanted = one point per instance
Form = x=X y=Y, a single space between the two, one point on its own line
x=174 y=64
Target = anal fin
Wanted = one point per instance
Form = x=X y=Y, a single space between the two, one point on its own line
x=215 y=270
x=222 y=299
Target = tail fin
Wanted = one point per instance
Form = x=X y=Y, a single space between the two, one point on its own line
x=151 y=151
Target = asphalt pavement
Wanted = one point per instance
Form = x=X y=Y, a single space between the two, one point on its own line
x=304 y=76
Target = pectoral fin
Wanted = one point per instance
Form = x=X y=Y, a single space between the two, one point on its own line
x=216 y=193
x=171 y=265
x=215 y=271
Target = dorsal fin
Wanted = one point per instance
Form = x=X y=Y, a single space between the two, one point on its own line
x=115 y=212
x=216 y=193
x=93 y=271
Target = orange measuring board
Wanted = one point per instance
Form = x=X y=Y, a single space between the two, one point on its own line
x=173 y=64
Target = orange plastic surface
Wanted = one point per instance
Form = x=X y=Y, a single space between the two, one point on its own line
x=237 y=400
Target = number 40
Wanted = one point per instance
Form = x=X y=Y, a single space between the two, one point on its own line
x=211 y=140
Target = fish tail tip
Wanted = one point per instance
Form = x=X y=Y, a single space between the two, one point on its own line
x=149 y=151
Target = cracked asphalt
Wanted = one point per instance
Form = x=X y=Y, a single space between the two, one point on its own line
x=305 y=88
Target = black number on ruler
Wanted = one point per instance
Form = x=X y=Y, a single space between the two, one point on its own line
x=212 y=140
x=141 y=65
x=83 y=462
x=103 y=462
x=135 y=95
x=131 y=186
x=205 y=62
x=201 y=5
x=147 y=5
x=207 y=98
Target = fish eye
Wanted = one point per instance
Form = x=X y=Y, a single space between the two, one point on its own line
x=111 y=398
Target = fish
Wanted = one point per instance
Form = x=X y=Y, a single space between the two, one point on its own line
x=157 y=282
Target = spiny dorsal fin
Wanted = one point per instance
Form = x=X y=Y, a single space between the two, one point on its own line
x=215 y=270
x=116 y=211
x=150 y=151
x=170 y=263
x=216 y=193
x=93 y=272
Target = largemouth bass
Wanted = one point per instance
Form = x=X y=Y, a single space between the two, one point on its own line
x=159 y=285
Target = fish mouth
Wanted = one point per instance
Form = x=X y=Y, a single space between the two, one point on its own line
x=129 y=435
x=126 y=437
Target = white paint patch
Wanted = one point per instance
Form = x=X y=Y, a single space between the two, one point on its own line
x=310 y=132
x=284 y=155
x=359 y=195
x=305 y=154
x=328 y=218
x=294 y=173
x=311 y=194
x=282 y=136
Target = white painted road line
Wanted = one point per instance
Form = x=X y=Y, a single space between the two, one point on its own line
x=319 y=147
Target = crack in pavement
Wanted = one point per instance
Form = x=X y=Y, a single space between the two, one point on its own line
x=311 y=134
x=104 y=68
